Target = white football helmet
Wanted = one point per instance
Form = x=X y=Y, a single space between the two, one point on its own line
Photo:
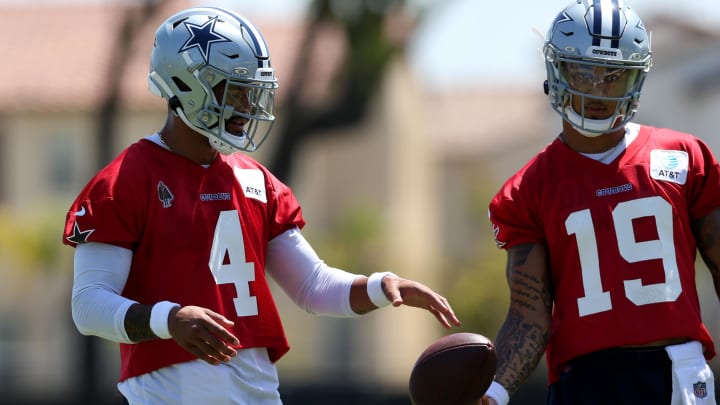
x=592 y=38
x=213 y=67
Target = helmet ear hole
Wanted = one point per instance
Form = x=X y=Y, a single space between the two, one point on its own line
x=180 y=84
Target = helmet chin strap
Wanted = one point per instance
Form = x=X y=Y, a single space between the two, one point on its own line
x=589 y=127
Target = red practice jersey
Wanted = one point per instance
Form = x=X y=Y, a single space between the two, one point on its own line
x=622 y=252
x=199 y=237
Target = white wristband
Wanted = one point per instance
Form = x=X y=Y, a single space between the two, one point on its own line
x=375 y=291
x=498 y=393
x=159 y=318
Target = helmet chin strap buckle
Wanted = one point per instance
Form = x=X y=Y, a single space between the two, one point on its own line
x=174 y=103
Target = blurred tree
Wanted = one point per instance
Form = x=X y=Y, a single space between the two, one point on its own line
x=371 y=41
x=133 y=20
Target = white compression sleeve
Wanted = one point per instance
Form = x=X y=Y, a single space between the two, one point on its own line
x=307 y=280
x=101 y=271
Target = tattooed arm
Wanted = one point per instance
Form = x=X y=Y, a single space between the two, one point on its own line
x=707 y=234
x=522 y=338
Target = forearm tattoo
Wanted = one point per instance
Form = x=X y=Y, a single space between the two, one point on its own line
x=521 y=341
x=137 y=323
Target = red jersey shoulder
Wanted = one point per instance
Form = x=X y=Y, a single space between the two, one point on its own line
x=120 y=183
x=670 y=150
x=127 y=173
x=665 y=138
x=511 y=211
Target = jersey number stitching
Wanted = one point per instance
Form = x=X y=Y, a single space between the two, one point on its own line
x=229 y=239
x=580 y=224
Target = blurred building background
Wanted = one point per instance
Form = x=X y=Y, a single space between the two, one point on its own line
x=390 y=145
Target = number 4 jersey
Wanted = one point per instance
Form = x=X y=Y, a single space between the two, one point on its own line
x=199 y=236
x=619 y=236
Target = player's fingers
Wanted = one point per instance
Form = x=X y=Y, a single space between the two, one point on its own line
x=219 y=318
x=200 y=354
x=441 y=317
x=424 y=297
x=447 y=310
x=444 y=313
x=216 y=338
x=198 y=348
x=212 y=347
x=218 y=325
x=219 y=348
x=418 y=295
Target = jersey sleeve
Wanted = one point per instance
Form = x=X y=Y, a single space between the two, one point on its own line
x=107 y=210
x=512 y=217
x=286 y=212
x=706 y=192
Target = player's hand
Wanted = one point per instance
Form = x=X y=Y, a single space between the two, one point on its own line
x=203 y=333
x=408 y=292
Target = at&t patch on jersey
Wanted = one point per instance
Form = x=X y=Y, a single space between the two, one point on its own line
x=252 y=182
x=669 y=165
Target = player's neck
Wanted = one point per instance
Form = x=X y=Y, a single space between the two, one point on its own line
x=583 y=144
x=185 y=142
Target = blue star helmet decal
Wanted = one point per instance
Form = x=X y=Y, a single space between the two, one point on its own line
x=202 y=37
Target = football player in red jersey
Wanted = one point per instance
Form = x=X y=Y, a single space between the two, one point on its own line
x=174 y=237
x=601 y=230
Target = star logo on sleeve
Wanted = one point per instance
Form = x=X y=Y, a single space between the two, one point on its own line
x=78 y=235
x=202 y=37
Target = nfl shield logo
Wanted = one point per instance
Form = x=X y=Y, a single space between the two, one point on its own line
x=700 y=389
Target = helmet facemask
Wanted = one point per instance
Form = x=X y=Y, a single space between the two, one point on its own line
x=239 y=116
x=582 y=84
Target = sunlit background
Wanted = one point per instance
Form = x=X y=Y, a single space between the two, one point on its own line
x=397 y=122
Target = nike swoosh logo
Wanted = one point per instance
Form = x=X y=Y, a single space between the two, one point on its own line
x=81 y=212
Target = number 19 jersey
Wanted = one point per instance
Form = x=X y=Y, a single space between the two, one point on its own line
x=199 y=236
x=619 y=236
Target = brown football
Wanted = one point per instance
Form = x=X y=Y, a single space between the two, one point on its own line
x=456 y=369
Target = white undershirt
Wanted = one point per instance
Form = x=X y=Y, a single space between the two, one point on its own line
x=247 y=379
x=609 y=156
